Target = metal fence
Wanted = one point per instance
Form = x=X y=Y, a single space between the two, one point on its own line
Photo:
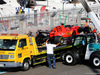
x=41 y=21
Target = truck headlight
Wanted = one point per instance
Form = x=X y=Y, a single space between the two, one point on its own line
x=11 y=56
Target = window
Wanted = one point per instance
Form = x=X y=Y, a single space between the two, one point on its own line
x=79 y=40
x=91 y=39
x=30 y=40
x=22 y=42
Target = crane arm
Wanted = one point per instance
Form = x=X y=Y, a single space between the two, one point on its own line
x=91 y=15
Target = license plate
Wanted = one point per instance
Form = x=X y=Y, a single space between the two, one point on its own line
x=1 y=65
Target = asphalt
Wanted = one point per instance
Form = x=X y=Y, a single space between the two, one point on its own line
x=61 y=69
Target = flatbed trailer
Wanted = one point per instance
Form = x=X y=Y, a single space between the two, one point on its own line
x=42 y=55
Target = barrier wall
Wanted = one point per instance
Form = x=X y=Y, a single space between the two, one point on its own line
x=41 y=21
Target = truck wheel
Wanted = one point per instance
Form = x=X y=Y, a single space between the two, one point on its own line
x=62 y=56
x=95 y=60
x=59 y=39
x=70 y=58
x=25 y=65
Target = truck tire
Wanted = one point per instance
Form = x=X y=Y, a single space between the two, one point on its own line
x=95 y=60
x=25 y=65
x=62 y=56
x=70 y=58
x=59 y=39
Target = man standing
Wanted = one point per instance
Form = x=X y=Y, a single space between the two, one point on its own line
x=30 y=34
x=50 y=53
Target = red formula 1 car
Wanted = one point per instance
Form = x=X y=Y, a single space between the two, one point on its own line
x=64 y=31
x=58 y=34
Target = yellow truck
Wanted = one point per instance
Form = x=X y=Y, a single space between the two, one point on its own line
x=19 y=50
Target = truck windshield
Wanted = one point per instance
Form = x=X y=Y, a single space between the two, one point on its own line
x=7 y=44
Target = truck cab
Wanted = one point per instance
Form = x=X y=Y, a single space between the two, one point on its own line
x=81 y=41
x=15 y=50
x=84 y=48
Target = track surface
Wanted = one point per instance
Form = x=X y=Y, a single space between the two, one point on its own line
x=61 y=69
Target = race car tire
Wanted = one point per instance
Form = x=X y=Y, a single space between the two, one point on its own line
x=40 y=39
x=87 y=30
x=74 y=33
x=80 y=29
x=59 y=39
